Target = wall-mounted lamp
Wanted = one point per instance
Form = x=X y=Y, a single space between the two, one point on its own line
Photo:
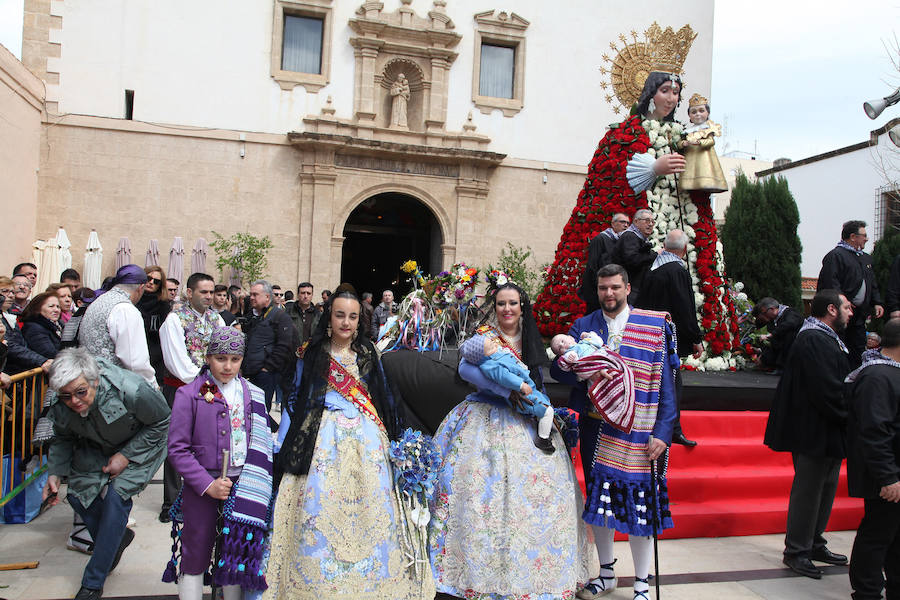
x=874 y=108
x=544 y=179
x=894 y=134
x=243 y=138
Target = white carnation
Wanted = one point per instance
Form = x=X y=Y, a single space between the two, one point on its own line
x=738 y=287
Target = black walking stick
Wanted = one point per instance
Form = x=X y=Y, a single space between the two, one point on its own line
x=653 y=498
x=220 y=524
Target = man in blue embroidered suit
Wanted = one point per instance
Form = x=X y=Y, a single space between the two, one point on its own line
x=617 y=464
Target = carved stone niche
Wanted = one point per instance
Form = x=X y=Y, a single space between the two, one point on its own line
x=387 y=44
x=417 y=88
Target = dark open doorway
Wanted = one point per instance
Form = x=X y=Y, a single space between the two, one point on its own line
x=382 y=233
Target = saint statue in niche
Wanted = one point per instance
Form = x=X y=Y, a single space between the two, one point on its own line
x=400 y=98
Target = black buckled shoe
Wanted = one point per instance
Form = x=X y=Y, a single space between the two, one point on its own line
x=825 y=555
x=680 y=439
x=88 y=594
x=544 y=445
x=802 y=566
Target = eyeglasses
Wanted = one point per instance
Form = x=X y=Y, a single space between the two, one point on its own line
x=154 y=281
x=279 y=294
x=80 y=393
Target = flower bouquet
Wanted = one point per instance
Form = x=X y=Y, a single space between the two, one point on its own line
x=454 y=290
x=412 y=268
x=416 y=461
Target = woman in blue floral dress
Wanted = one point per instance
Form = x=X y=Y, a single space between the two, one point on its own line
x=506 y=516
x=339 y=531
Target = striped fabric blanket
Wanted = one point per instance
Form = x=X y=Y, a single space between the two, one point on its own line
x=613 y=398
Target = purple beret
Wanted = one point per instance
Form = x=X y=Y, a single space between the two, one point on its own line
x=226 y=340
x=130 y=274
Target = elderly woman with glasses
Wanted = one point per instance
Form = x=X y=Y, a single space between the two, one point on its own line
x=111 y=428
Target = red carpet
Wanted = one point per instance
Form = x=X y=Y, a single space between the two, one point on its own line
x=731 y=484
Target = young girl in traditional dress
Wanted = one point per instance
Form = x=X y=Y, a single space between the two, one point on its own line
x=219 y=442
x=341 y=531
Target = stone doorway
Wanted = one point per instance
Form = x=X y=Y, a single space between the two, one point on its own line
x=382 y=233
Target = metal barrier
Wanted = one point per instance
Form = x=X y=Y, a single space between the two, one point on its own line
x=19 y=411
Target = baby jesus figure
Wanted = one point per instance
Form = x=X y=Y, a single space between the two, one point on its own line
x=610 y=381
x=504 y=369
x=702 y=171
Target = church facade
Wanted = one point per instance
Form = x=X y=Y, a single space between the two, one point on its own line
x=355 y=136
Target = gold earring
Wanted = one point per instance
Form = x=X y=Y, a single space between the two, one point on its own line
x=355 y=333
x=328 y=330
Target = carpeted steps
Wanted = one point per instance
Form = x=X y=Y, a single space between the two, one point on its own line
x=732 y=484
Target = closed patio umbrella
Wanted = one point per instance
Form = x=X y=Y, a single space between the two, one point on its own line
x=65 y=254
x=93 y=262
x=123 y=253
x=198 y=256
x=152 y=258
x=49 y=270
x=37 y=257
x=176 y=261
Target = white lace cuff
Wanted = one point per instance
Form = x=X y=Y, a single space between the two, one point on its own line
x=640 y=172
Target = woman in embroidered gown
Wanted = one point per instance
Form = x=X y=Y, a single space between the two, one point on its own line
x=506 y=517
x=340 y=530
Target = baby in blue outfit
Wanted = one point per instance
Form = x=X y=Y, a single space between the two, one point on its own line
x=501 y=367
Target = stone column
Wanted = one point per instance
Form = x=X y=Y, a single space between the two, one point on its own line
x=317 y=218
x=366 y=53
x=437 y=98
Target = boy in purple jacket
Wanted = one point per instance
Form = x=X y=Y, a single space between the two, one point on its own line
x=219 y=441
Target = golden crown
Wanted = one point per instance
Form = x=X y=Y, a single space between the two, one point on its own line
x=697 y=100
x=662 y=50
x=668 y=49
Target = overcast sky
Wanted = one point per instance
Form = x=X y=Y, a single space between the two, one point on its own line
x=788 y=78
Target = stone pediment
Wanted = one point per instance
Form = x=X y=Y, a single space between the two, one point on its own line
x=502 y=20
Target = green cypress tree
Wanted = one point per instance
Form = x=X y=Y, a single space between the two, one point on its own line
x=883 y=254
x=759 y=237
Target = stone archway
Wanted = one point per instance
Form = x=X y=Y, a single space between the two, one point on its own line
x=381 y=233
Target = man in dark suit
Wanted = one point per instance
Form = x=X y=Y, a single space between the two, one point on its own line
x=600 y=252
x=848 y=269
x=873 y=467
x=782 y=323
x=634 y=252
x=808 y=419
x=667 y=287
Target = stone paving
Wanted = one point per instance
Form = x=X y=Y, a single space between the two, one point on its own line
x=694 y=569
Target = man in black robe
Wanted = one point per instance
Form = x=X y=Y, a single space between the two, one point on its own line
x=634 y=251
x=600 y=252
x=667 y=287
x=848 y=269
x=782 y=323
x=873 y=467
x=808 y=419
